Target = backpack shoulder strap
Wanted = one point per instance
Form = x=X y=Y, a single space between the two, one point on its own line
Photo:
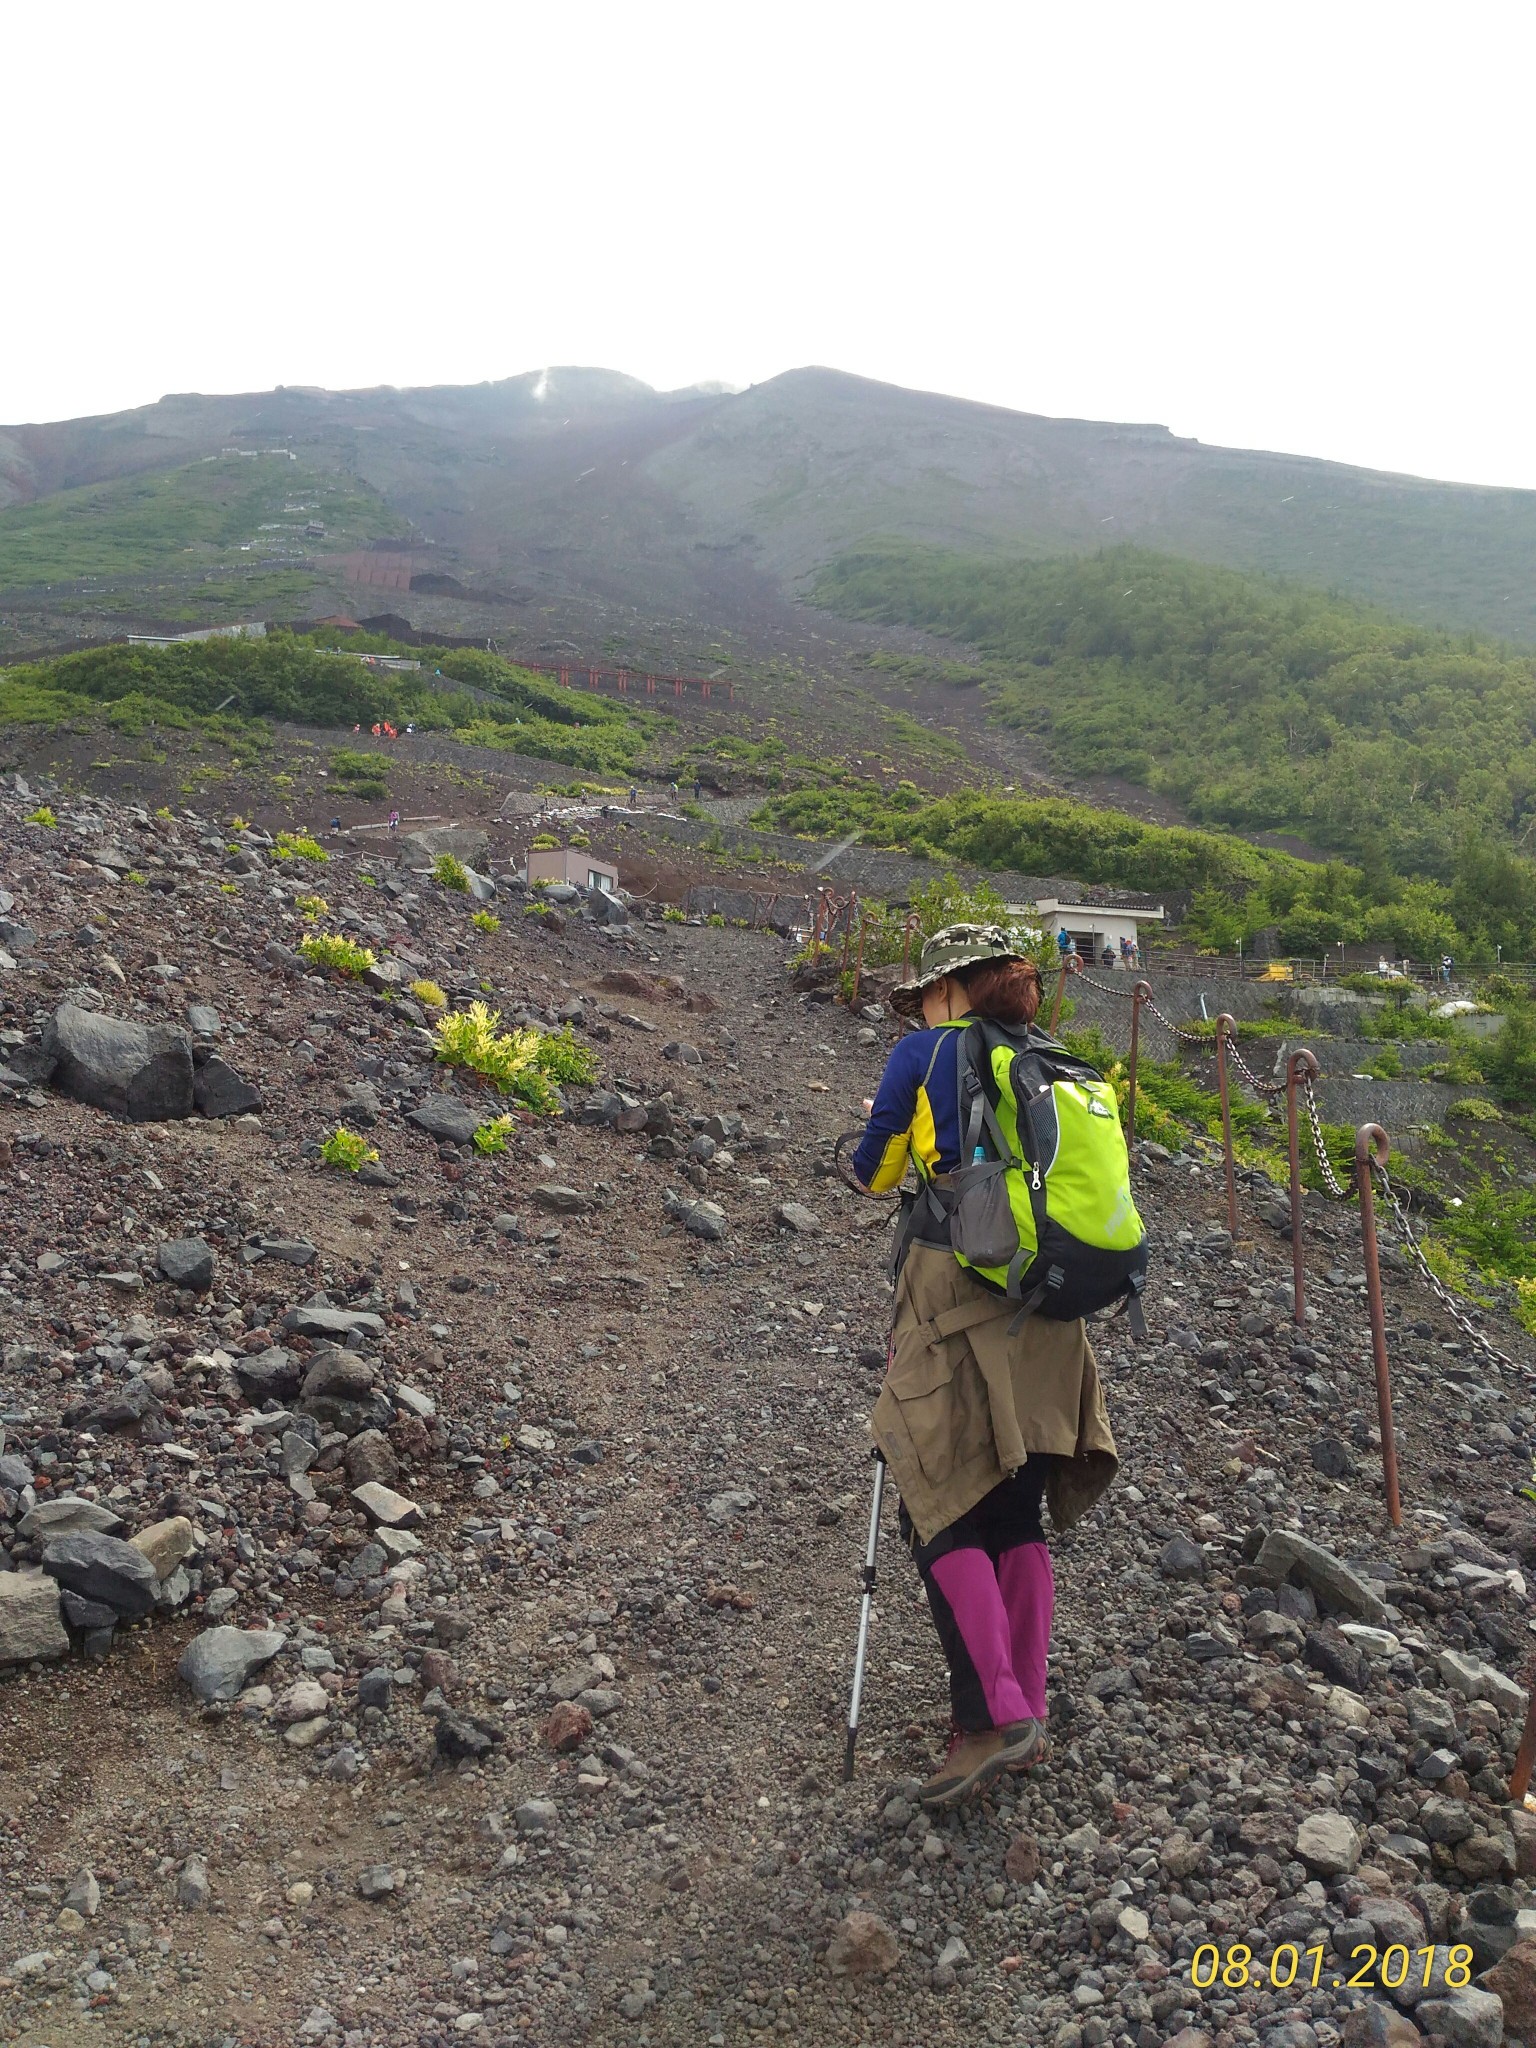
x=974 y=1094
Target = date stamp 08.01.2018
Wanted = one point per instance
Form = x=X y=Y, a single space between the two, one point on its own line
x=1367 y=1968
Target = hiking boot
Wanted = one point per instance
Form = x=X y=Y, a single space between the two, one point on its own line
x=974 y=1760
x=1023 y=1745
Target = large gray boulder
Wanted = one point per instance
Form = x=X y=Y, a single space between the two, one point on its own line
x=103 y=1568
x=446 y=1119
x=219 y=1091
x=467 y=843
x=30 y=1624
x=139 y=1071
x=218 y=1664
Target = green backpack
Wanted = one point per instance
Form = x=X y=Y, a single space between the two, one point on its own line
x=1041 y=1205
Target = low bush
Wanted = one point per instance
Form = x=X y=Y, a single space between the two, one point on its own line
x=486 y=921
x=43 y=815
x=298 y=846
x=330 y=949
x=491 y=1137
x=451 y=873
x=429 y=995
x=527 y=1064
x=345 y=1149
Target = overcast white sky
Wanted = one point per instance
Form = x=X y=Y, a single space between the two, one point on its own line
x=1292 y=226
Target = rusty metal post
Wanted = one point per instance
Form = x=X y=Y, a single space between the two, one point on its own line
x=1141 y=993
x=858 y=965
x=1301 y=1065
x=909 y=932
x=1372 y=1148
x=852 y=907
x=1225 y=1024
x=1061 y=989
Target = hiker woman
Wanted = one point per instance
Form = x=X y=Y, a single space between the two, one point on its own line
x=984 y=1413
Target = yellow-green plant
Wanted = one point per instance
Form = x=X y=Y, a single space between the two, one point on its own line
x=430 y=994
x=312 y=906
x=451 y=873
x=43 y=815
x=523 y=1064
x=492 y=1136
x=133 y=875
x=164 y=811
x=564 y=1058
x=298 y=846
x=347 y=1150
x=239 y=824
x=546 y=842
x=486 y=921
x=672 y=915
x=330 y=949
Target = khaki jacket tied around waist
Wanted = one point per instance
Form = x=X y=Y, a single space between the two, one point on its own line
x=964 y=1404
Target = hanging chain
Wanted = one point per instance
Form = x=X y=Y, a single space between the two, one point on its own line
x=1259 y=1087
x=1436 y=1285
x=1331 y=1180
x=1336 y=1189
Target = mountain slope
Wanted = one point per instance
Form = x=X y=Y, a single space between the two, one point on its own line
x=691 y=516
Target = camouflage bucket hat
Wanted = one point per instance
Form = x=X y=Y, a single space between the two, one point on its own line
x=956 y=946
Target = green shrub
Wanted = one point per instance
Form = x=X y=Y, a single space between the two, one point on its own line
x=524 y=1064
x=312 y=906
x=451 y=873
x=330 y=949
x=544 y=843
x=672 y=915
x=715 y=921
x=429 y=995
x=298 y=846
x=564 y=1058
x=43 y=815
x=491 y=1137
x=486 y=921
x=347 y=1150
x=1477 y=1109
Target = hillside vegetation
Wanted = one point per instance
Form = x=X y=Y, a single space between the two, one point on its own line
x=1257 y=706
x=130 y=526
x=284 y=677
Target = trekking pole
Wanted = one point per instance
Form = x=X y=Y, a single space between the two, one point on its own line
x=862 y=1652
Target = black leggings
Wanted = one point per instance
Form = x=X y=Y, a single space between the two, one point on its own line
x=1008 y=1515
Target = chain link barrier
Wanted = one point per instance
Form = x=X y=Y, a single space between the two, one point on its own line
x=1331 y=1180
x=1437 y=1286
x=1335 y=1189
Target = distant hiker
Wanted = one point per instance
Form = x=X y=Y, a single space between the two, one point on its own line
x=698 y=789
x=394 y=821
x=1445 y=969
x=335 y=824
x=1063 y=942
x=377 y=731
x=986 y=1412
x=634 y=797
x=1107 y=957
x=673 y=789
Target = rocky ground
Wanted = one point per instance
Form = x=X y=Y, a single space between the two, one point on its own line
x=432 y=1591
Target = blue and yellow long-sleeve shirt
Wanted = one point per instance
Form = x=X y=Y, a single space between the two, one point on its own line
x=916 y=1112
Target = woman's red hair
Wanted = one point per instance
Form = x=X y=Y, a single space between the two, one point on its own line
x=1004 y=991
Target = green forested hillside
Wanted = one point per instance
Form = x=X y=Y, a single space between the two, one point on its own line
x=1256 y=705
x=285 y=677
